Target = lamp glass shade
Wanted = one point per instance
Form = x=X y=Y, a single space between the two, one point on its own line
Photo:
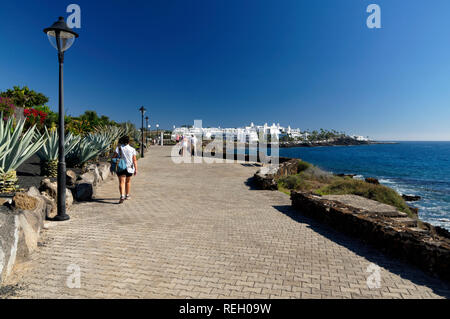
x=66 y=39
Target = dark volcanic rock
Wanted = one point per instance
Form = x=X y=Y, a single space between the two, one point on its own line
x=372 y=180
x=84 y=190
x=411 y=198
x=71 y=177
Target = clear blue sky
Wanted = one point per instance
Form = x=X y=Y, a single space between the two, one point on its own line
x=306 y=63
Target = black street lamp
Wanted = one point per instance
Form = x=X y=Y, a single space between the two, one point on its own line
x=157 y=134
x=142 y=109
x=146 y=130
x=62 y=38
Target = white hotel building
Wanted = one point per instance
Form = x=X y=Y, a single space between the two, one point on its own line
x=246 y=134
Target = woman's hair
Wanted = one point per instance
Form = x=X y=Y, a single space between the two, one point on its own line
x=124 y=140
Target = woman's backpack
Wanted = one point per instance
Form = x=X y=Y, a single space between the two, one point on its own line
x=118 y=164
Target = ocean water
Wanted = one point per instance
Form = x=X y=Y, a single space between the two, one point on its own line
x=413 y=168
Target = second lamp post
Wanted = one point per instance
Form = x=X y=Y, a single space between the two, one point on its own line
x=146 y=130
x=142 y=109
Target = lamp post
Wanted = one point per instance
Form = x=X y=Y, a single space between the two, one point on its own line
x=146 y=130
x=61 y=37
x=157 y=133
x=142 y=109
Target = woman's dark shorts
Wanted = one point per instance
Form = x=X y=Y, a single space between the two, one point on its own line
x=124 y=173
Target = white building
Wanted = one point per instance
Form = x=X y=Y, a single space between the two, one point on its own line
x=249 y=134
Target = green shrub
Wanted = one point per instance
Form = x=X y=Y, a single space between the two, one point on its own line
x=379 y=193
x=290 y=182
x=316 y=174
x=302 y=165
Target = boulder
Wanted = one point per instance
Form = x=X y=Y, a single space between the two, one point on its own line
x=51 y=189
x=411 y=198
x=87 y=177
x=25 y=201
x=104 y=170
x=372 y=180
x=50 y=206
x=93 y=169
x=84 y=190
x=71 y=177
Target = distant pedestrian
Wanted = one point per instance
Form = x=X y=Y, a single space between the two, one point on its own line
x=184 y=146
x=194 y=141
x=128 y=153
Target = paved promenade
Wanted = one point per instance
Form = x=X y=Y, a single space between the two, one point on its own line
x=199 y=231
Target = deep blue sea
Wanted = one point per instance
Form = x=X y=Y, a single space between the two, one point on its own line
x=416 y=168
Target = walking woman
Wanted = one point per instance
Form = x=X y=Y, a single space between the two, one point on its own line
x=128 y=153
x=184 y=146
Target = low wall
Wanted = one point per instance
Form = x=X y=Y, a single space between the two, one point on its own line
x=427 y=247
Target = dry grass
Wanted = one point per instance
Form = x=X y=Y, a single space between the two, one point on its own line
x=313 y=179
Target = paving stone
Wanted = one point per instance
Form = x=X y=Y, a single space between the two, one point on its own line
x=198 y=231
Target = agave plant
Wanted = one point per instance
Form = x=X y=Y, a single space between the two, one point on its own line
x=137 y=136
x=82 y=152
x=106 y=133
x=101 y=140
x=16 y=147
x=128 y=128
x=48 y=153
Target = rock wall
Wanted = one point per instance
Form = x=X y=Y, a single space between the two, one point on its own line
x=426 y=246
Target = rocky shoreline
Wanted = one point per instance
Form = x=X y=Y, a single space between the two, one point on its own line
x=341 y=142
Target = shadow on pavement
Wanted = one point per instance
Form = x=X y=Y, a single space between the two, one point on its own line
x=112 y=201
x=373 y=255
x=250 y=183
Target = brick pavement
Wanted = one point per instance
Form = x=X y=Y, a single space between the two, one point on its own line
x=200 y=231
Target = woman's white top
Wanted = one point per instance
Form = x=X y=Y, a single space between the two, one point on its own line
x=128 y=153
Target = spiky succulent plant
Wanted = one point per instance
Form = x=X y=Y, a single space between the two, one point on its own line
x=48 y=153
x=82 y=152
x=16 y=146
x=101 y=140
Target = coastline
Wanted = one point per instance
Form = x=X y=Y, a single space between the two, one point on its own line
x=347 y=142
x=411 y=168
